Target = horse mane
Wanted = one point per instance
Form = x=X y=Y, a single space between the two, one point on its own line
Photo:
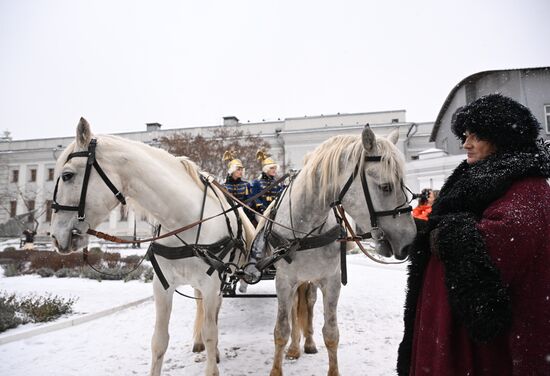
x=323 y=166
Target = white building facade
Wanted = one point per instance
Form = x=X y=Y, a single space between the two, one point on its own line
x=27 y=166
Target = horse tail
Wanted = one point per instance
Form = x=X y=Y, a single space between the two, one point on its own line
x=199 y=318
x=302 y=311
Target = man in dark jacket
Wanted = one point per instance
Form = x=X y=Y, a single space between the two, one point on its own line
x=267 y=177
x=478 y=297
x=234 y=182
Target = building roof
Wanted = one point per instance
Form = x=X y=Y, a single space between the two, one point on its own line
x=472 y=78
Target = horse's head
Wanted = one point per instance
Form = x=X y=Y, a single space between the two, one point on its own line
x=380 y=182
x=82 y=199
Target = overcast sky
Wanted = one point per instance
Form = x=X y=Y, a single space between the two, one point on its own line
x=122 y=64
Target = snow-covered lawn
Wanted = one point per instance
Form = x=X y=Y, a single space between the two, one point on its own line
x=370 y=320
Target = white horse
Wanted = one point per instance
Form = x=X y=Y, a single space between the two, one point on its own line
x=166 y=187
x=307 y=204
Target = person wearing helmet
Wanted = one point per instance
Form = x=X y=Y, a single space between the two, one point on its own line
x=234 y=182
x=267 y=177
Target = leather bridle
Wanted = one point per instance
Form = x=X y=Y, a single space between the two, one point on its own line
x=376 y=232
x=90 y=162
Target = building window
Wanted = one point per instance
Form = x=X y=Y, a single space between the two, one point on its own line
x=33 y=175
x=50 y=174
x=30 y=207
x=13 y=208
x=14 y=176
x=547 y=117
x=48 y=210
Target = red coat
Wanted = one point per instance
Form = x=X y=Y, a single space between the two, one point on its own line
x=516 y=231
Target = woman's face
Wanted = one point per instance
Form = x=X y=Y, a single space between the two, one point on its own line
x=476 y=148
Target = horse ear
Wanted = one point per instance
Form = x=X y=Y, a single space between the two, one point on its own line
x=369 y=138
x=83 y=133
x=394 y=136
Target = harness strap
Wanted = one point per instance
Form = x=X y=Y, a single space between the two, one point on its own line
x=156 y=267
x=285 y=248
x=343 y=250
x=206 y=252
x=87 y=171
x=118 y=194
x=366 y=192
x=315 y=241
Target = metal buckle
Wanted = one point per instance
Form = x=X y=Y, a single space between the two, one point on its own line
x=377 y=234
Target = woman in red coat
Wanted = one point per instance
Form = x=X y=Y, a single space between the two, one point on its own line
x=478 y=297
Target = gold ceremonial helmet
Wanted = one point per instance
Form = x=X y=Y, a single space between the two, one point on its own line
x=266 y=161
x=234 y=163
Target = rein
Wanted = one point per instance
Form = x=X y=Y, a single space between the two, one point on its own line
x=357 y=239
x=116 y=239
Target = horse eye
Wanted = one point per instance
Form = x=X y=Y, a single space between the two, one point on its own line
x=66 y=176
x=386 y=188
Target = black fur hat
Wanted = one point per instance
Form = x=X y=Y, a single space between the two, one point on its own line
x=507 y=124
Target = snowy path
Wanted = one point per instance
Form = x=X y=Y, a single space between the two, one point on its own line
x=370 y=318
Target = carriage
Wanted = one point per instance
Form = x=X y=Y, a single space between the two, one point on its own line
x=362 y=174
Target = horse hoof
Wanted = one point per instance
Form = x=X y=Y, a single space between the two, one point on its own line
x=292 y=354
x=198 y=347
x=311 y=349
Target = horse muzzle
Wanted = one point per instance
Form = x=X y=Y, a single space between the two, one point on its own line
x=72 y=241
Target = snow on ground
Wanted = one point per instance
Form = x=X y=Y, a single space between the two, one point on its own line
x=369 y=315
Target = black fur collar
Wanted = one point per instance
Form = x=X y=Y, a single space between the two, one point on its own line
x=473 y=188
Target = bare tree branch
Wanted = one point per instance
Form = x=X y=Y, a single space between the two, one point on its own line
x=207 y=152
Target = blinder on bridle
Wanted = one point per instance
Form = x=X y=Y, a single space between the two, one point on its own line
x=91 y=162
x=376 y=232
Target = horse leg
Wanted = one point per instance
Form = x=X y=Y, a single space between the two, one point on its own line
x=211 y=301
x=159 y=342
x=331 y=335
x=198 y=344
x=282 y=327
x=307 y=327
x=293 y=351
